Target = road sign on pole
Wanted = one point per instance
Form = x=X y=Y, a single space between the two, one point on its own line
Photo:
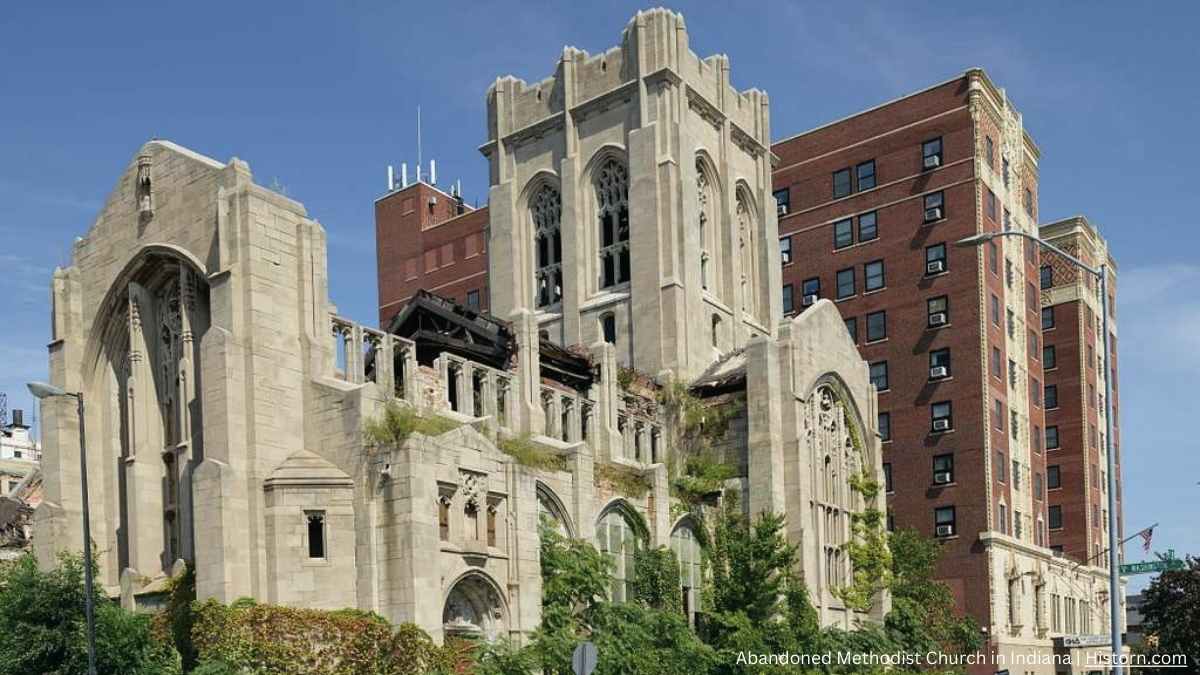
x=1151 y=567
x=583 y=661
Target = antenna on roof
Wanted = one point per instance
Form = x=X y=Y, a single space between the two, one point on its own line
x=418 y=143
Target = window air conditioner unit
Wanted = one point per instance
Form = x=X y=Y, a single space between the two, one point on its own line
x=781 y=209
x=933 y=214
x=937 y=319
x=935 y=267
x=933 y=162
x=941 y=477
x=809 y=299
x=937 y=372
x=941 y=425
x=945 y=530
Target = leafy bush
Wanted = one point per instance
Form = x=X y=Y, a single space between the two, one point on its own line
x=43 y=628
x=533 y=455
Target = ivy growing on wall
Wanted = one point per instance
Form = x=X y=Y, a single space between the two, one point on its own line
x=870 y=557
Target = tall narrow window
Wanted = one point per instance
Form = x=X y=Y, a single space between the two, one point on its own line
x=707 y=231
x=748 y=248
x=316 y=533
x=612 y=199
x=546 y=209
x=608 y=326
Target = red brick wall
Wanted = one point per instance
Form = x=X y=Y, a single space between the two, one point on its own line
x=424 y=245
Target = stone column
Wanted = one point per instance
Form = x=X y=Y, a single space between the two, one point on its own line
x=764 y=395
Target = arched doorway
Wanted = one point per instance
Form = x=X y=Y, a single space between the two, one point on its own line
x=474 y=609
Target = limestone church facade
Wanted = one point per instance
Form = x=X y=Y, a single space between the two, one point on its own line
x=632 y=227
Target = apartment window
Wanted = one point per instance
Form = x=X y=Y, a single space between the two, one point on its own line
x=1029 y=202
x=1035 y=390
x=873 y=276
x=993 y=258
x=473 y=299
x=1001 y=467
x=876 y=326
x=1049 y=357
x=943 y=521
x=935 y=259
x=1054 y=514
x=937 y=311
x=991 y=153
x=991 y=206
x=812 y=287
x=785 y=250
x=1047 y=318
x=1053 y=477
x=1037 y=485
x=1051 y=396
x=995 y=364
x=1002 y=515
x=934 y=207
x=885 y=426
x=1037 y=438
x=1031 y=297
x=879 y=375
x=316 y=533
x=845 y=283
x=1052 y=438
x=887 y=477
x=608 y=325
x=931 y=153
x=783 y=199
x=942 y=411
x=868 y=228
x=852 y=329
x=789 y=303
x=843 y=233
x=995 y=309
x=866 y=175
x=939 y=358
x=943 y=469
x=998 y=414
x=1047 y=277
x=841 y=183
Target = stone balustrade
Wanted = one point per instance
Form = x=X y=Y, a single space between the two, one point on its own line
x=363 y=354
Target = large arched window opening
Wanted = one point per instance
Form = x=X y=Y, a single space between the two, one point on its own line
x=686 y=547
x=612 y=202
x=551 y=512
x=546 y=210
x=618 y=536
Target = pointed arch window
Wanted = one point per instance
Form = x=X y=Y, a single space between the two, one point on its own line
x=619 y=540
x=546 y=209
x=704 y=204
x=747 y=251
x=612 y=200
x=686 y=547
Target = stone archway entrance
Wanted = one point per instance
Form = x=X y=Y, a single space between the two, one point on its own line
x=474 y=609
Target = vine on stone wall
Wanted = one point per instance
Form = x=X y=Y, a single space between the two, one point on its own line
x=870 y=557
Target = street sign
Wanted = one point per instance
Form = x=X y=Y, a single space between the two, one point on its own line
x=583 y=661
x=1151 y=567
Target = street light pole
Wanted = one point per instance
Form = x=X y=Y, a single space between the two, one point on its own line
x=42 y=390
x=1114 y=564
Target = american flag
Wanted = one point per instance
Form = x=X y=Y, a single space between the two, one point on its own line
x=1146 y=534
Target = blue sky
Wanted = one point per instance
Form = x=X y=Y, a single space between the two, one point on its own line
x=321 y=96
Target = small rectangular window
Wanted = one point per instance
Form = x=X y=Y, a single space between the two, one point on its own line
x=937 y=311
x=993 y=258
x=873 y=276
x=991 y=206
x=845 y=283
x=939 y=363
x=608 y=324
x=841 y=183
x=885 y=426
x=1054 y=514
x=876 y=326
x=879 y=375
x=843 y=233
x=1001 y=467
x=934 y=207
x=935 y=259
x=931 y=154
x=783 y=200
x=1047 y=318
x=852 y=329
x=788 y=301
x=995 y=309
x=785 y=250
x=944 y=521
x=1047 y=277
x=812 y=287
x=473 y=299
x=998 y=415
x=1052 y=438
x=991 y=152
x=1051 y=396
x=996 y=363
x=942 y=416
x=943 y=469
x=316 y=533
x=1037 y=485
x=866 y=175
x=1049 y=357
x=887 y=477
x=1035 y=390
x=1053 y=477
x=867 y=227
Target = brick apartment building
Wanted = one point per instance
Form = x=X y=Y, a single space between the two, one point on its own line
x=869 y=210
x=1073 y=361
x=429 y=239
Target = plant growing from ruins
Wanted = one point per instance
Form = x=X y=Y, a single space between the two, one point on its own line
x=655 y=582
x=395 y=422
x=625 y=480
x=867 y=549
x=526 y=452
x=694 y=426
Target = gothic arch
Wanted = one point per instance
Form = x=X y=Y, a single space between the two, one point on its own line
x=636 y=522
x=748 y=286
x=605 y=197
x=620 y=531
x=549 y=502
x=541 y=233
x=713 y=235
x=474 y=606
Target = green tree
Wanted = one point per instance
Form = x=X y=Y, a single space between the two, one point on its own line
x=923 y=615
x=1171 y=614
x=43 y=628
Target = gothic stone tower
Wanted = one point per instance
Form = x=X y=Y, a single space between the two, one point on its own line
x=631 y=201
